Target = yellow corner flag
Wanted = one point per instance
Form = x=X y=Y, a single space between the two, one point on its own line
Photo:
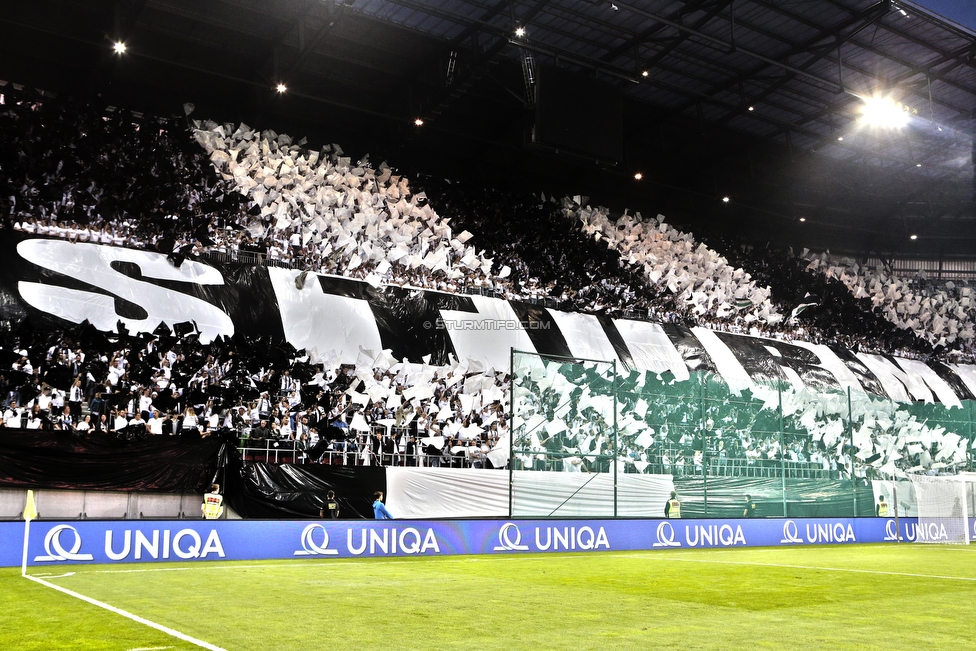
x=30 y=511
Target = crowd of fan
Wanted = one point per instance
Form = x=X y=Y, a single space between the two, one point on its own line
x=821 y=308
x=84 y=175
x=942 y=316
x=578 y=419
x=134 y=387
x=72 y=172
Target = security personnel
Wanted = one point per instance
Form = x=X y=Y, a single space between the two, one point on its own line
x=331 y=506
x=750 y=510
x=881 y=510
x=213 y=503
x=672 y=508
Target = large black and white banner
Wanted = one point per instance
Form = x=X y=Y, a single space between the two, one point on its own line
x=61 y=282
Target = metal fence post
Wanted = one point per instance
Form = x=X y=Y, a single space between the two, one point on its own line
x=782 y=445
x=511 y=434
x=850 y=428
x=616 y=440
x=702 y=379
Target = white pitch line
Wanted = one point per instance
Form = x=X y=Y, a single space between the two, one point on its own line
x=55 y=576
x=124 y=613
x=826 y=569
x=326 y=563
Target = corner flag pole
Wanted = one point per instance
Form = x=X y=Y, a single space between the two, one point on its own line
x=30 y=513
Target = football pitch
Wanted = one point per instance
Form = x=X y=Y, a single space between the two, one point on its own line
x=907 y=596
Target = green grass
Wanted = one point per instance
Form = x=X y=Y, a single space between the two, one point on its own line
x=841 y=597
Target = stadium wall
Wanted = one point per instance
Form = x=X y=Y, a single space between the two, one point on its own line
x=95 y=542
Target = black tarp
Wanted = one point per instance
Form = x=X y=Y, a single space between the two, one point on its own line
x=263 y=490
x=41 y=459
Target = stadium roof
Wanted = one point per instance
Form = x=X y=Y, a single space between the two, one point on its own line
x=756 y=100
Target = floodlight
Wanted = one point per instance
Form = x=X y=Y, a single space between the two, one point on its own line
x=884 y=113
x=119 y=47
x=803 y=219
x=638 y=176
x=752 y=108
x=725 y=199
x=418 y=122
x=520 y=31
x=281 y=88
x=645 y=73
x=913 y=237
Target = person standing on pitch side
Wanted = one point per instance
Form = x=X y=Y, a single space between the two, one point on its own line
x=331 y=506
x=213 y=501
x=881 y=509
x=672 y=508
x=379 y=509
x=750 y=510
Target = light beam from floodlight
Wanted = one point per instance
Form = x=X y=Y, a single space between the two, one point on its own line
x=884 y=113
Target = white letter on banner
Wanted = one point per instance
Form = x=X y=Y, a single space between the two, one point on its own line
x=939 y=387
x=126 y=545
x=92 y=264
x=413 y=547
x=584 y=335
x=352 y=549
x=584 y=538
x=194 y=550
x=430 y=542
x=213 y=545
x=651 y=348
x=143 y=543
x=893 y=379
x=601 y=539
x=487 y=335
x=310 y=318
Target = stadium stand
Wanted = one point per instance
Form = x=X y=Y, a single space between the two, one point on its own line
x=142 y=182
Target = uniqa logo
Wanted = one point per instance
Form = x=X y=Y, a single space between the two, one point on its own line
x=56 y=551
x=185 y=544
x=571 y=538
x=387 y=541
x=310 y=547
x=891 y=531
x=505 y=541
x=665 y=536
x=926 y=531
x=830 y=533
x=791 y=534
x=714 y=534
